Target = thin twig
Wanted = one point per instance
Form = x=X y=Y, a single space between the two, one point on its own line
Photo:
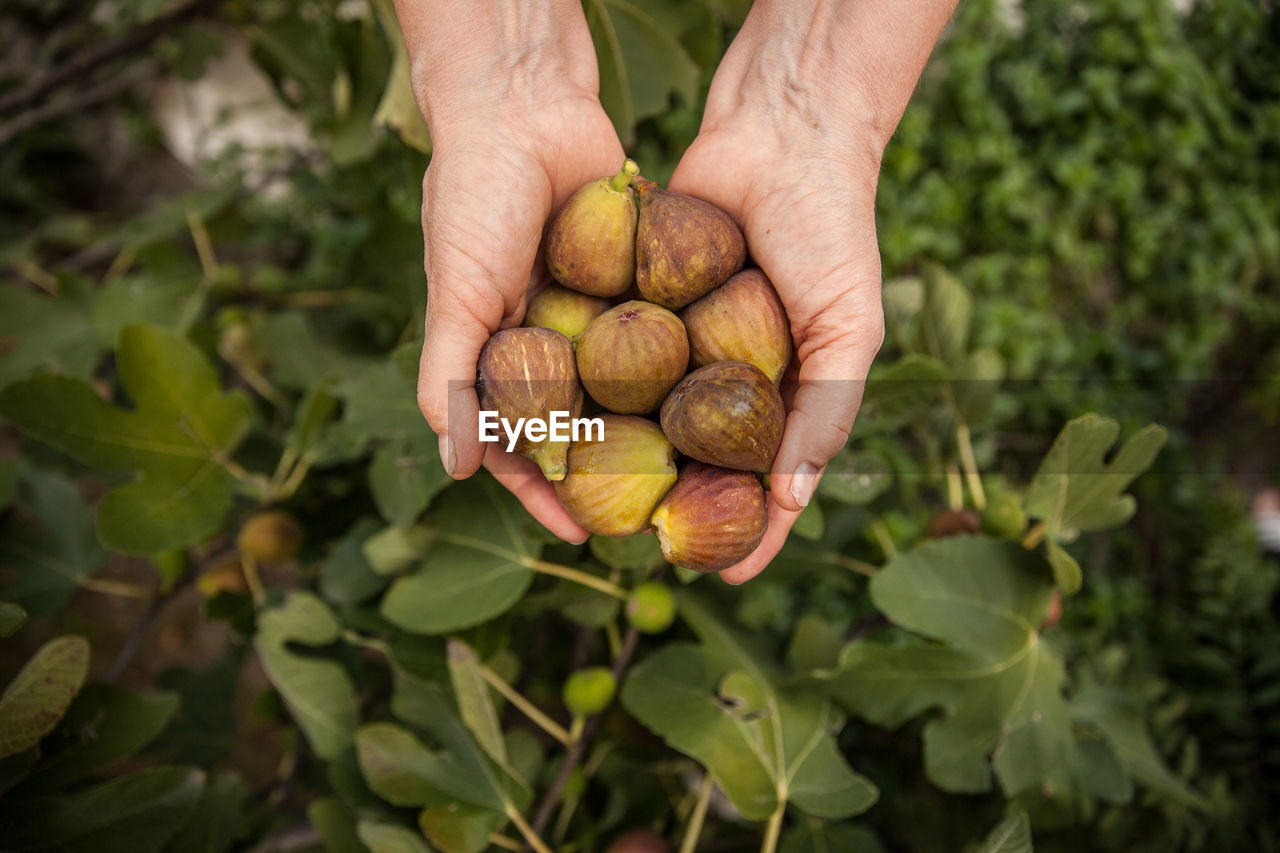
x=90 y=97
x=83 y=63
x=133 y=642
x=579 y=747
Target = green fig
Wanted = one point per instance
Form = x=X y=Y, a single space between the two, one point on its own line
x=631 y=356
x=591 y=244
x=727 y=414
x=711 y=519
x=615 y=481
x=685 y=247
x=566 y=311
x=530 y=373
x=741 y=320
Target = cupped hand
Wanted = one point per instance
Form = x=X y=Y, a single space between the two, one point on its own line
x=487 y=196
x=805 y=199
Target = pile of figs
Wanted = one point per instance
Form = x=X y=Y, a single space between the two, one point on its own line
x=680 y=352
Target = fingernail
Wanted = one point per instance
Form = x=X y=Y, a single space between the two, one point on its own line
x=448 y=457
x=802 y=483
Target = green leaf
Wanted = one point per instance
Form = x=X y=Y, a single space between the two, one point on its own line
x=810 y=524
x=390 y=838
x=405 y=475
x=103 y=724
x=1011 y=835
x=148 y=298
x=41 y=692
x=641 y=62
x=1119 y=719
x=52 y=546
x=346 y=577
x=1066 y=571
x=11 y=618
x=318 y=692
x=1076 y=489
x=459 y=827
x=764 y=744
x=475 y=701
x=398 y=109
x=131 y=814
x=816 y=836
x=478 y=567
x=640 y=552
x=219 y=819
x=173 y=440
x=944 y=317
x=8 y=480
x=404 y=772
x=855 y=477
x=335 y=826
x=40 y=333
x=379 y=404
x=204 y=729
x=983 y=666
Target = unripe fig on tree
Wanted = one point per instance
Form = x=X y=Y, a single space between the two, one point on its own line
x=685 y=247
x=741 y=320
x=589 y=691
x=712 y=518
x=651 y=607
x=613 y=484
x=563 y=310
x=1004 y=515
x=591 y=244
x=529 y=373
x=631 y=356
x=727 y=414
x=272 y=536
x=227 y=575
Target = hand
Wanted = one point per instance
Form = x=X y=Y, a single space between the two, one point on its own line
x=492 y=184
x=804 y=194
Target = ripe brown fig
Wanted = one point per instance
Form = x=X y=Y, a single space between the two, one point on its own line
x=712 y=518
x=954 y=522
x=614 y=483
x=727 y=414
x=639 y=841
x=563 y=310
x=631 y=356
x=741 y=320
x=272 y=536
x=530 y=373
x=591 y=244
x=685 y=247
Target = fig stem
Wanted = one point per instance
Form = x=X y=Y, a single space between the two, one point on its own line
x=124 y=589
x=1035 y=535
x=526 y=707
x=883 y=539
x=699 y=814
x=619 y=182
x=615 y=638
x=253 y=579
x=504 y=842
x=843 y=562
x=955 y=487
x=546 y=568
x=531 y=838
x=970 y=465
x=774 y=828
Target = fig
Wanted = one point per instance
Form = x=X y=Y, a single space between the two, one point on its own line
x=614 y=482
x=651 y=607
x=631 y=356
x=272 y=536
x=727 y=414
x=530 y=373
x=954 y=522
x=1004 y=515
x=685 y=247
x=589 y=691
x=591 y=244
x=741 y=320
x=639 y=841
x=563 y=310
x=712 y=518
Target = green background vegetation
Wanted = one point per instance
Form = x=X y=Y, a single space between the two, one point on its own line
x=1080 y=213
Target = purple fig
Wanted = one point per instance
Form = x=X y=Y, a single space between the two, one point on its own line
x=530 y=373
x=712 y=518
x=727 y=414
x=685 y=247
x=615 y=481
x=591 y=244
x=631 y=356
x=741 y=320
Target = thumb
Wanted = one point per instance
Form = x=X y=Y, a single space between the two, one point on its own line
x=834 y=350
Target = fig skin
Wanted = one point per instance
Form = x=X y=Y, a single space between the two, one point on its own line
x=685 y=247
x=591 y=243
x=727 y=414
x=271 y=536
x=613 y=484
x=529 y=373
x=563 y=310
x=631 y=356
x=712 y=518
x=741 y=320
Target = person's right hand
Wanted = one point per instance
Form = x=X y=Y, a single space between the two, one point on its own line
x=508 y=149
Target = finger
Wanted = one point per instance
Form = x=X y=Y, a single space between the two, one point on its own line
x=780 y=523
x=523 y=479
x=841 y=345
